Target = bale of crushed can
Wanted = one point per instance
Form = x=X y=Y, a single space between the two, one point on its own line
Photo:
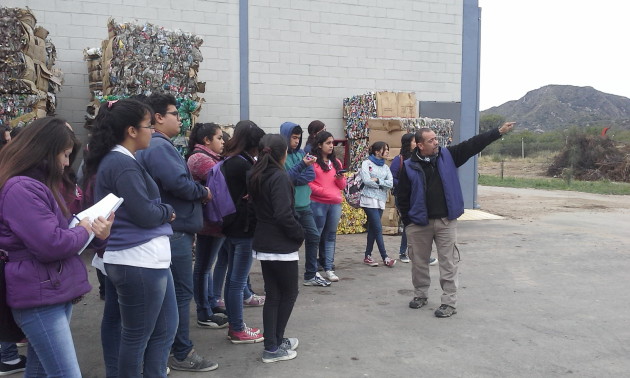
x=143 y=59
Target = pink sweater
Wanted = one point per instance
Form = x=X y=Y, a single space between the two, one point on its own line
x=326 y=188
x=200 y=164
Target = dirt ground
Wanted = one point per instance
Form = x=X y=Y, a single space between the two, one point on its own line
x=510 y=203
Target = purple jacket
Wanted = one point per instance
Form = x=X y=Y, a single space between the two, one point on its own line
x=43 y=267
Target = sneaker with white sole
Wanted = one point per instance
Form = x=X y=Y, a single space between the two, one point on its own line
x=192 y=362
x=289 y=343
x=317 y=281
x=279 y=355
x=389 y=262
x=404 y=258
x=215 y=322
x=433 y=261
x=332 y=277
x=254 y=301
x=368 y=260
x=246 y=336
x=7 y=369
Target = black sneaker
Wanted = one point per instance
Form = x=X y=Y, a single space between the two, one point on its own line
x=7 y=369
x=417 y=302
x=215 y=322
x=445 y=311
x=219 y=310
x=193 y=362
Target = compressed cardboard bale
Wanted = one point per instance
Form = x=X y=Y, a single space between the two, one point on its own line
x=385 y=124
x=407 y=105
x=391 y=138
x=386 y=104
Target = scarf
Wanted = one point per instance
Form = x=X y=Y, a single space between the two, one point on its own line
x=377 y=161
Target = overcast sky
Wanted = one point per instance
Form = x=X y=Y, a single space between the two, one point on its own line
x=527 y=44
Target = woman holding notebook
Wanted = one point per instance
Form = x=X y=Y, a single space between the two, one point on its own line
x=44 y=275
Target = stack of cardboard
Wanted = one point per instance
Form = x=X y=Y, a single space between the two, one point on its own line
x=28 y=78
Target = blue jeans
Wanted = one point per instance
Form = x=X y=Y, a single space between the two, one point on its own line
x=148 y=311
x=8 y=352
x=218 y=275
x=206 y=252
x=403 y=243
x=326 y=219
x=110 y=328
x=181 y=267
x=374 y=231
x=51 y=351
x=311 y=241
x=239 y=263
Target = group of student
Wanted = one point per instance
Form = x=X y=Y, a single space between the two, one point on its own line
x=281 y=194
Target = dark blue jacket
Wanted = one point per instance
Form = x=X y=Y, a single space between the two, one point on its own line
x=412 y=197
x=142 y=216
x=177 y=187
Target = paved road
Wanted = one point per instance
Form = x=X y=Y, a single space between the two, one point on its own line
x=540 y=298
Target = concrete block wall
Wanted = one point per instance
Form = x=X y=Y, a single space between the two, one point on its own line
x=77 y=24
x=307 y=55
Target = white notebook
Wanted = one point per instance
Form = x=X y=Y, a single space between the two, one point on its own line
x=100 y=209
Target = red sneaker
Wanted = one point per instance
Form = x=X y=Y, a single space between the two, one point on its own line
x=368 y=260
x=389 y=262
x=246 y=336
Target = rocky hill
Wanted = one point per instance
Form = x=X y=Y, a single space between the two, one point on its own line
x=559 y=106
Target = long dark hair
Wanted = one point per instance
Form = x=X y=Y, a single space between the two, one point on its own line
x=37 y=147
x=272 y=148
x=110 y=129
x=246 y=137
x=317 y=151
x=198 y=133
x=405 y=142
x=314 y=128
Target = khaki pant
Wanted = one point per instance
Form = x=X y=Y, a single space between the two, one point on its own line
x=420 y=240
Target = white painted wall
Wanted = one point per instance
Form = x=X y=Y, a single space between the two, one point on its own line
x=305 y=55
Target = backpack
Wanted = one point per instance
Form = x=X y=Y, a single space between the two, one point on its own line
x=221 y=205
x=352 y=191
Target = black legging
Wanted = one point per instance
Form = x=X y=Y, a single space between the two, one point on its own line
x=281 y=290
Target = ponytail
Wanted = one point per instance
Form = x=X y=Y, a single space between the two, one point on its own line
x=199 y=132
x=110 y=129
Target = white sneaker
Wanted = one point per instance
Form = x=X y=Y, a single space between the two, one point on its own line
x=332 y=277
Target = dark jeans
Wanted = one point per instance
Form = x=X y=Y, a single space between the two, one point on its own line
x=403 y=243
x=311 y=241
x=375 y=231
x=8 y=352
x=148 y=311
x=281 y=288
x=239 y=263
x=218 y=274
x=110 y=328
x=207 y=249
x=181 y=266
